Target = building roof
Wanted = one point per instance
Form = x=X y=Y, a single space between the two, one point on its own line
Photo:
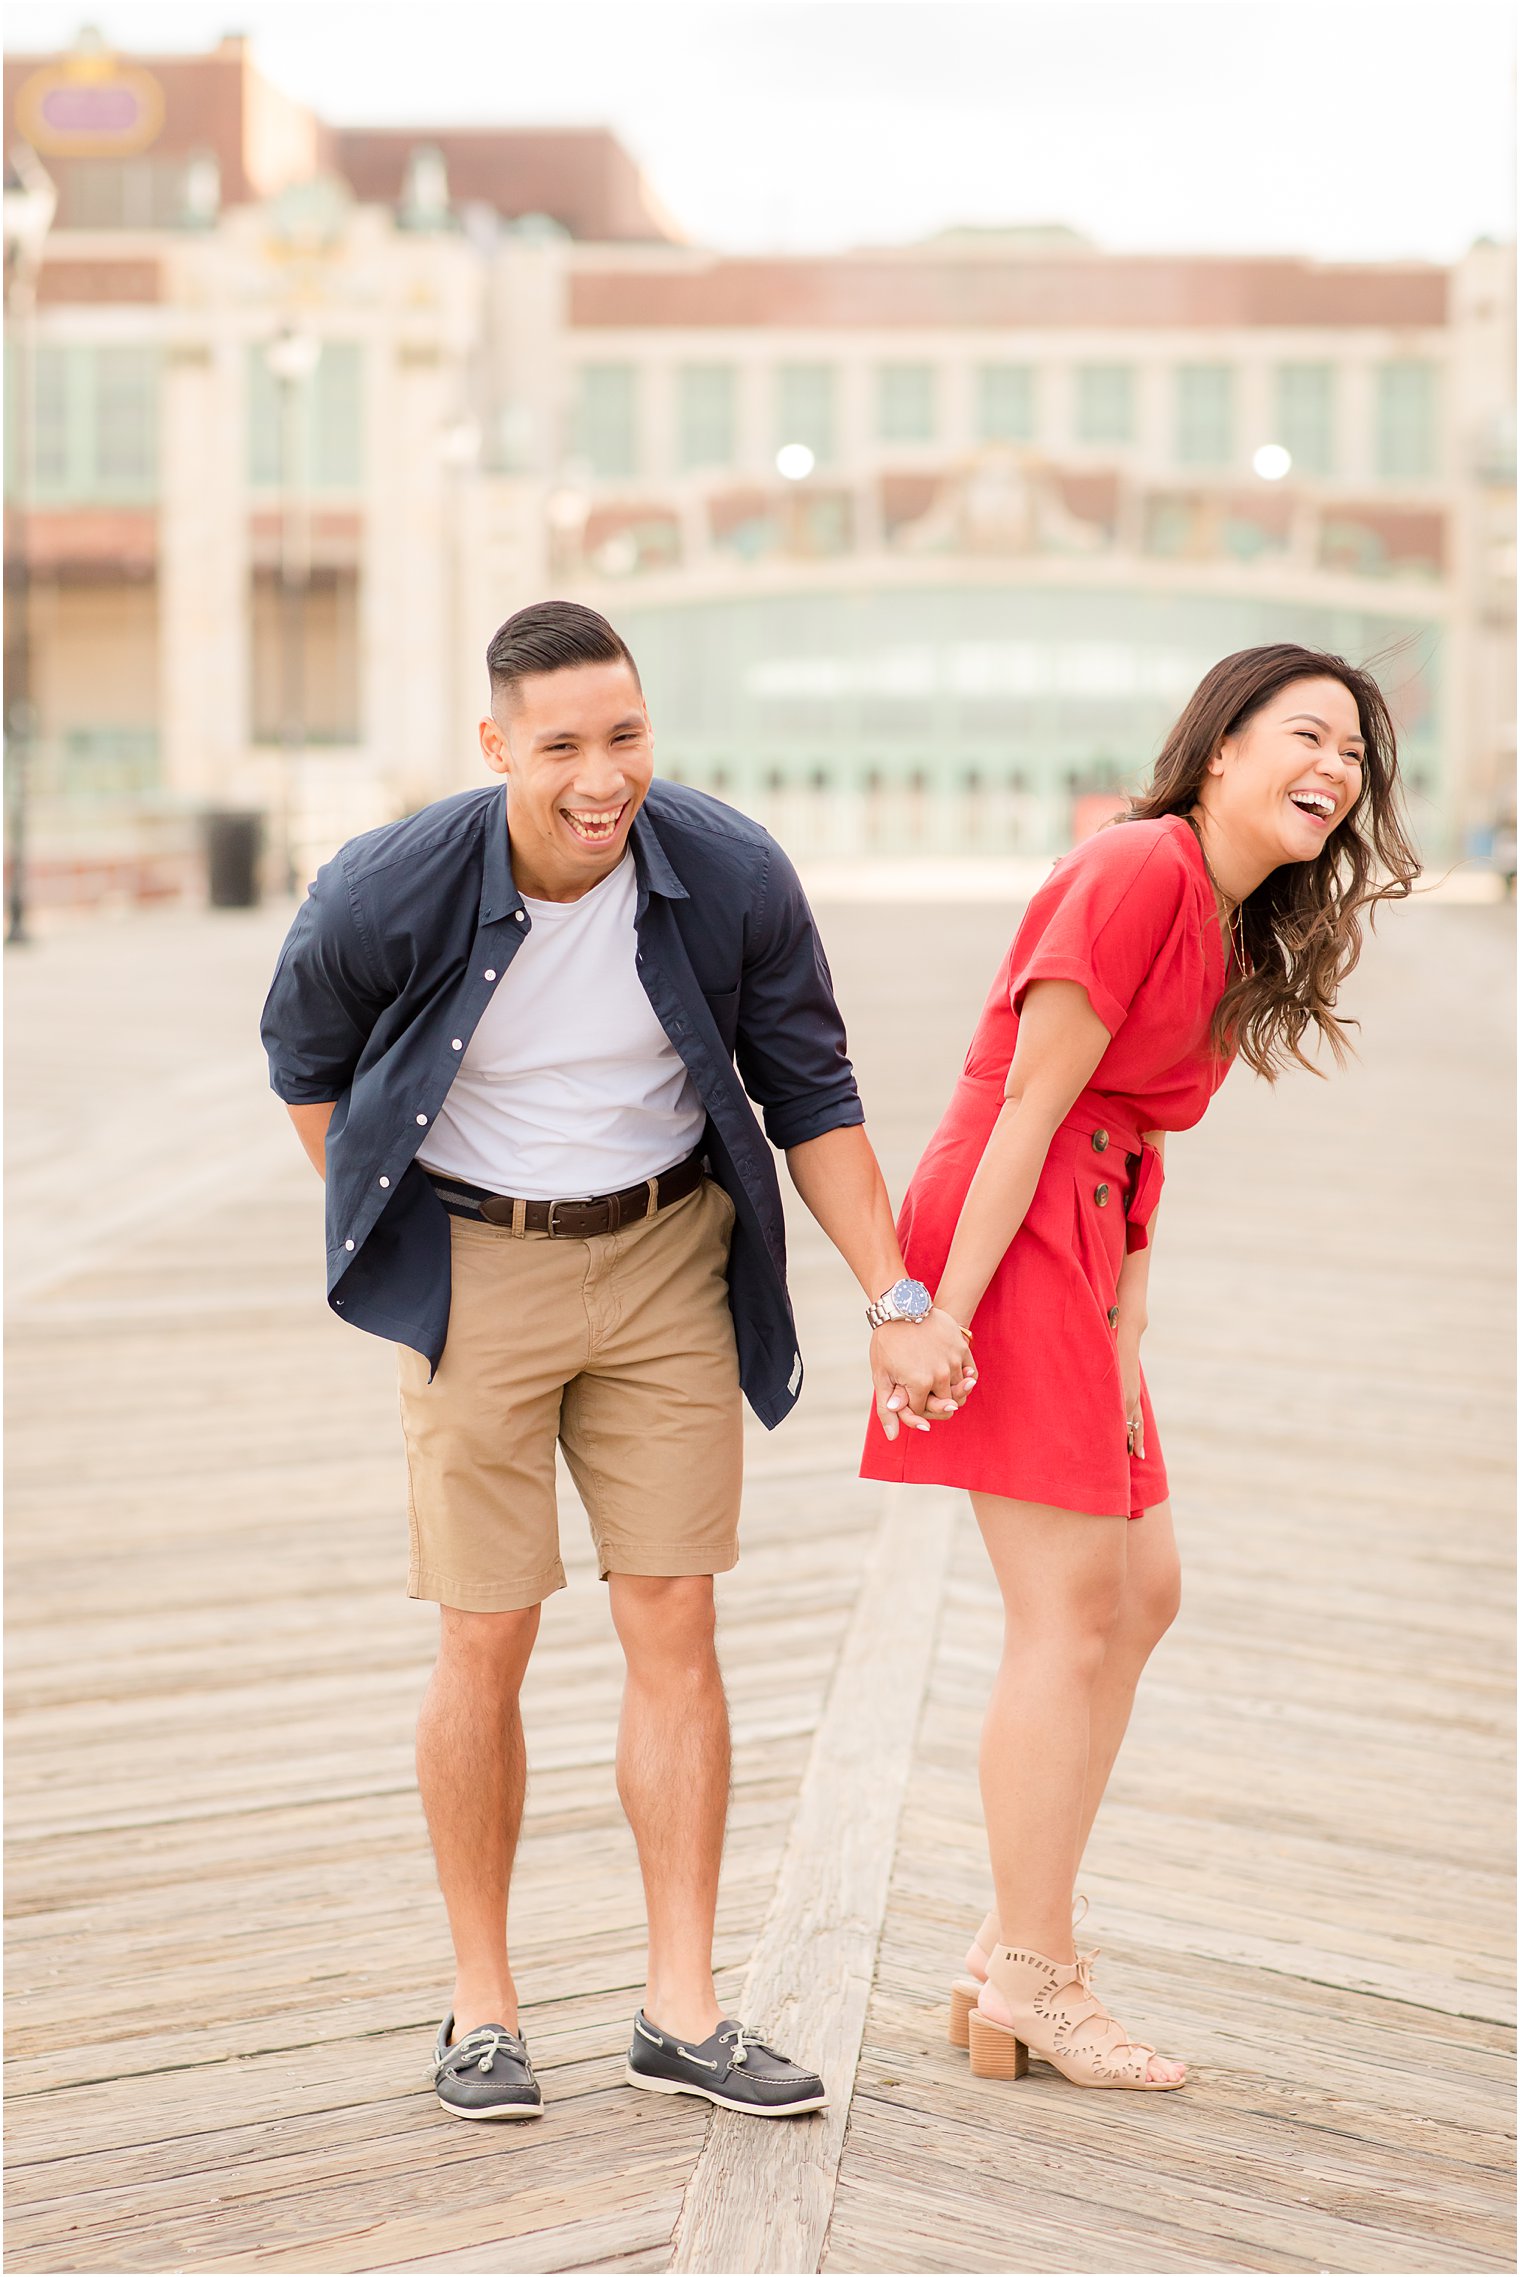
x=581 y=177
x=91 y=105
x=934 y=286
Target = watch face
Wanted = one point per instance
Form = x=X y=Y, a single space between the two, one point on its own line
x=912 y=1300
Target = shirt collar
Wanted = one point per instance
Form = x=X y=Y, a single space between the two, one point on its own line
x=656 y=873
x=499 y=896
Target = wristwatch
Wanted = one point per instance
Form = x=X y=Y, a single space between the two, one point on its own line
x=905 y=1300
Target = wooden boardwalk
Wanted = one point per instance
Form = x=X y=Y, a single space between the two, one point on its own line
x=227 y=1955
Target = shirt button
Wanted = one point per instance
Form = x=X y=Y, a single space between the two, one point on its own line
x=348 y=1245
x=1100 y=1195
x=458 y=1043
x=518 y=916
x=490 y=972
x=422 y=1118
x=1100 y=1141
x=385 y=1181
x=1113 y=1316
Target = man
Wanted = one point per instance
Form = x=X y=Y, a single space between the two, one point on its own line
x=484 y=1015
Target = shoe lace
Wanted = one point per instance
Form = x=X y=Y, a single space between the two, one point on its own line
x=741 y=2039
x=479 y=2049
x=1121 y=2046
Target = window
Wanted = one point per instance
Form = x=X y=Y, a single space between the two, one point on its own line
x=1406 y=421
x=706 y=415
x=1105 y=403
x=1205 y=414
x=1306 y=416
x=905 y=403
x=326 y=442
x=805 y=407
x=1005 y=403
x=304 y=658
x=95 y=424
x=606 y=419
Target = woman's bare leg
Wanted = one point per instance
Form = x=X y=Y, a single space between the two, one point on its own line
x=1061 y=1575
x=1147 y=1607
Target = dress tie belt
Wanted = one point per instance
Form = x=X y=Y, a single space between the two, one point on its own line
x=1102 y=1132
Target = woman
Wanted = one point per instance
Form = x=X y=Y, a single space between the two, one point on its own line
x=1219 y=918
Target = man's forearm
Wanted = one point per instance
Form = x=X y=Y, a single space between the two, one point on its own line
x=839 y=1178
x=311 y=1129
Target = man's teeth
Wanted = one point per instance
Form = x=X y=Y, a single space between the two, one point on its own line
x=594 y=825
x=1313 y=802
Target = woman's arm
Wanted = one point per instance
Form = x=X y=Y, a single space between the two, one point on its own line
x=1060 y=1042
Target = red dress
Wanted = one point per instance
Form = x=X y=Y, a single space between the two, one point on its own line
x=1131 y=915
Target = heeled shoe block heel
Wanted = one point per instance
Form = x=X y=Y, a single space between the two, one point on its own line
x=996 y=2051
x=963 y=1995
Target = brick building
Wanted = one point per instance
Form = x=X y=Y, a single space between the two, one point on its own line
x=916 y=547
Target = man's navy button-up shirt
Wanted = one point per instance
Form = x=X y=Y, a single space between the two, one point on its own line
x=397 y=950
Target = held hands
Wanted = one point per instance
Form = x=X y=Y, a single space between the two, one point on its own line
x=921 y=1369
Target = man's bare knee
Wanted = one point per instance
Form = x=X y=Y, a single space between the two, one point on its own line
x=665 y=1622
x=493 y=1648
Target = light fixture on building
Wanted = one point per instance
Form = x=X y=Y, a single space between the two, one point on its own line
x=795 y=462
x=293 y=356
x=459 y=442
x=1272 y=462
x=566 y=508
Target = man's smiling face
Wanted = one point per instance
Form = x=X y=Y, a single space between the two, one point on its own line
x=578 y=754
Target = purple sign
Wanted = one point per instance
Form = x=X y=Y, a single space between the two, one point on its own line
x=92 y=110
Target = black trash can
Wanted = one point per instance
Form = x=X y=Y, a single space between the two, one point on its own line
x=234 y=844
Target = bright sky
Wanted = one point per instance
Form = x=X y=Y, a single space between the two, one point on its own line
x=1371 y=129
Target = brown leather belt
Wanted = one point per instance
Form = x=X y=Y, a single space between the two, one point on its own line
x=575 y=1220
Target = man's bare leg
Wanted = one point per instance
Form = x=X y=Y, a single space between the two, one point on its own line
x=672 y=1770
x=472 y=1770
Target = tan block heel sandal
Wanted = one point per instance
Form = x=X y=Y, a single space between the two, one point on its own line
x=964 y=1989
x=1056 y=2014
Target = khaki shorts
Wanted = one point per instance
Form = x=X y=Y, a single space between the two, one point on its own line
x=621 y=1350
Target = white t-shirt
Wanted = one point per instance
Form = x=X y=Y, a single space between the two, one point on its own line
x=569 y=1085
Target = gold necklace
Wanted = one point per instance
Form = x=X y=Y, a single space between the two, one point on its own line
x=1231 y=914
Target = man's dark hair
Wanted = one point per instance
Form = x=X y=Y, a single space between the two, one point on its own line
x=551 y=636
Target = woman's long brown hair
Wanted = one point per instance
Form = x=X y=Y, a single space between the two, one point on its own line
x=1302 y=927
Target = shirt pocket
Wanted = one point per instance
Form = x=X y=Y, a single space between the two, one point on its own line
x=724 y=1007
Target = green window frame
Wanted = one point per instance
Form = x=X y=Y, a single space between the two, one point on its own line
x=805 y=408
x=1005 y=403
x=1105 y=403
x=328 y=428
x=95 y=419
x=1305 y=423
x=905 y=403
x=605 y=425
x=1405 y=420
x=1205 y=403
x=706 y=415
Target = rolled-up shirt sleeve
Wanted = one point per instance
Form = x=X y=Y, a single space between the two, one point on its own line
x=790 y=1049
x=325 y=997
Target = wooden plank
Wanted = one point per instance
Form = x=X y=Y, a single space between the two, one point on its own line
x=760 y=2197
x=227 y=1950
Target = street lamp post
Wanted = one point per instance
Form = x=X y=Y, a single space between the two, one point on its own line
x=292 y=357
x=30 y=204
x=459 y=446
